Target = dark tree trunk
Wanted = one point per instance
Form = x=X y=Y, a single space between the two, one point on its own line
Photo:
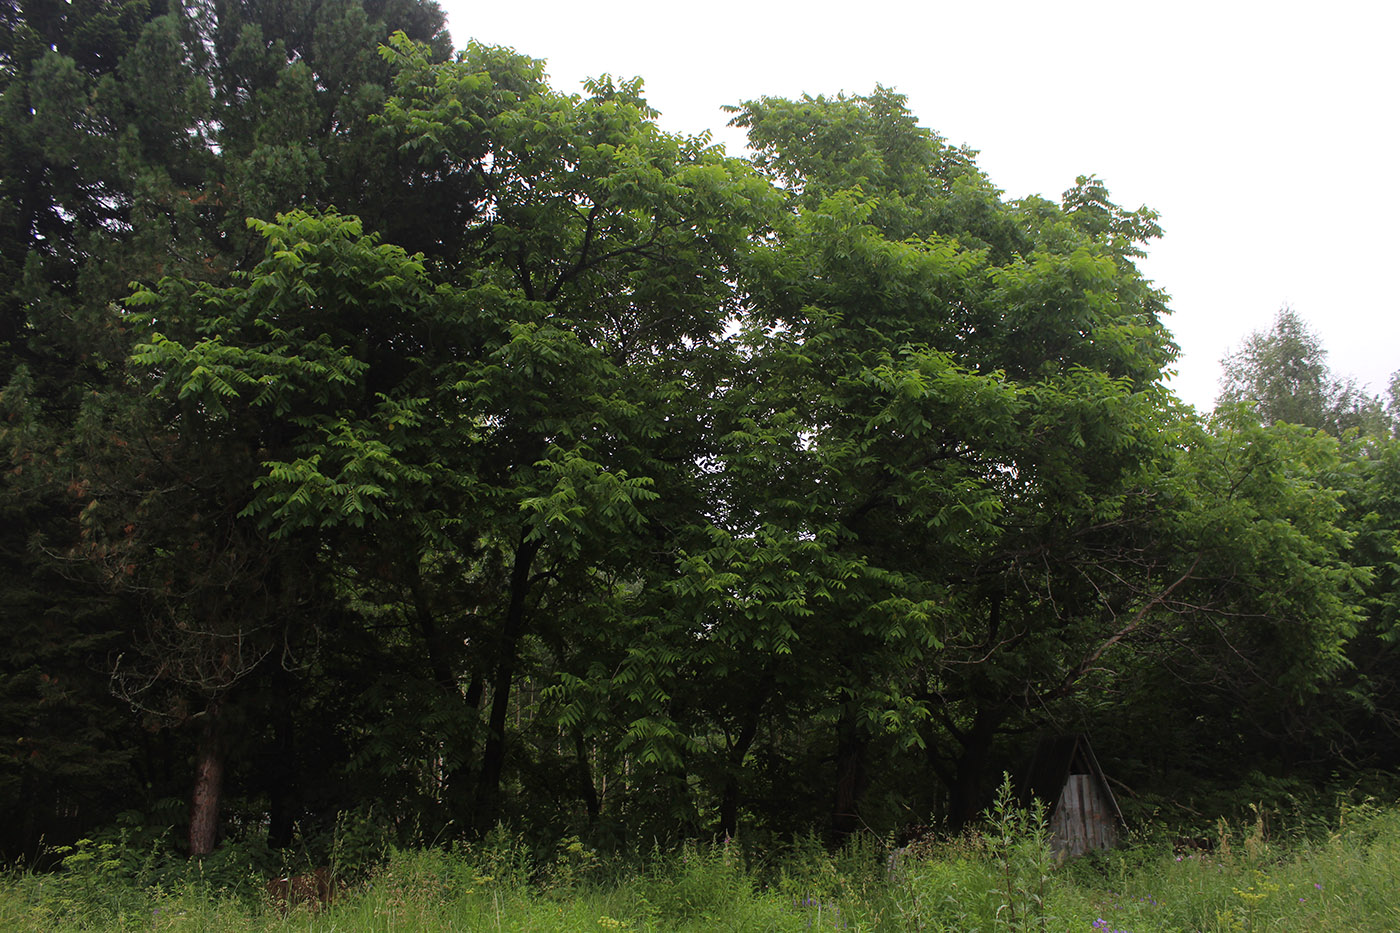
x=729 y=798
x=968 y=791
x=474 y=690
x=493 y=755
x=586 y=788
x=457 y=782
x=283 y=790
x=439 y=661
x=851 y=779
x=208 y=784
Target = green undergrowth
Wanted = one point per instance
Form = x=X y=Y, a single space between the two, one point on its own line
x=1242 y=878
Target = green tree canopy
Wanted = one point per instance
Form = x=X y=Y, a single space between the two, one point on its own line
x=475 y=451
x=1282 y=374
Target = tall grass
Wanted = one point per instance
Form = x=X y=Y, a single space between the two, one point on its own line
x=1001 y=879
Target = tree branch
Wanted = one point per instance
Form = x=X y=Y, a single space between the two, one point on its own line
x=1088 y=663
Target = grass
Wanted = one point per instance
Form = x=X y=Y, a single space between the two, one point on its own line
x=1338 y=879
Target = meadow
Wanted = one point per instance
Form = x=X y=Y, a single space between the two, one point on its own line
x=1245 y=876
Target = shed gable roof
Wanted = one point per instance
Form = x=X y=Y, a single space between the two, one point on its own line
x=1055 y=759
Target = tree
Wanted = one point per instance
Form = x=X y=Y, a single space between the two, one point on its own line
x=1364 y=731
x=1283 y=375
x=134 y=138
x=741 y=495
x=971 y=391
x=1233 y=671
x=512 y=420
x=85 y=90
x=68 y=756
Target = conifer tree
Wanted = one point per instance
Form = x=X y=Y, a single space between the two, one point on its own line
x=135 y=140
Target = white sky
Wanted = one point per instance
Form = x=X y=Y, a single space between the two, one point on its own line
x=1264 y=133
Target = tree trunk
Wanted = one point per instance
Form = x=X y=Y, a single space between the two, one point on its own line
x=851 y=780
x=434 y=641
x=493 y=756
x=443 y=666
x=968 y=792
x=208 y=784
x=587 y=790
x=729 y=799
x=282 y=786
x=460 y=783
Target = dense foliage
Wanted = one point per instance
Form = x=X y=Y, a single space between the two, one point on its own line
x=389 y=432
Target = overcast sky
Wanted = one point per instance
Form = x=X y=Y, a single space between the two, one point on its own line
x=1264 y=133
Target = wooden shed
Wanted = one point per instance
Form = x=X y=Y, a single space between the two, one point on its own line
x=1083 y=814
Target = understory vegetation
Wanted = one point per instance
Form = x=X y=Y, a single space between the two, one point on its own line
x=1265 y=871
